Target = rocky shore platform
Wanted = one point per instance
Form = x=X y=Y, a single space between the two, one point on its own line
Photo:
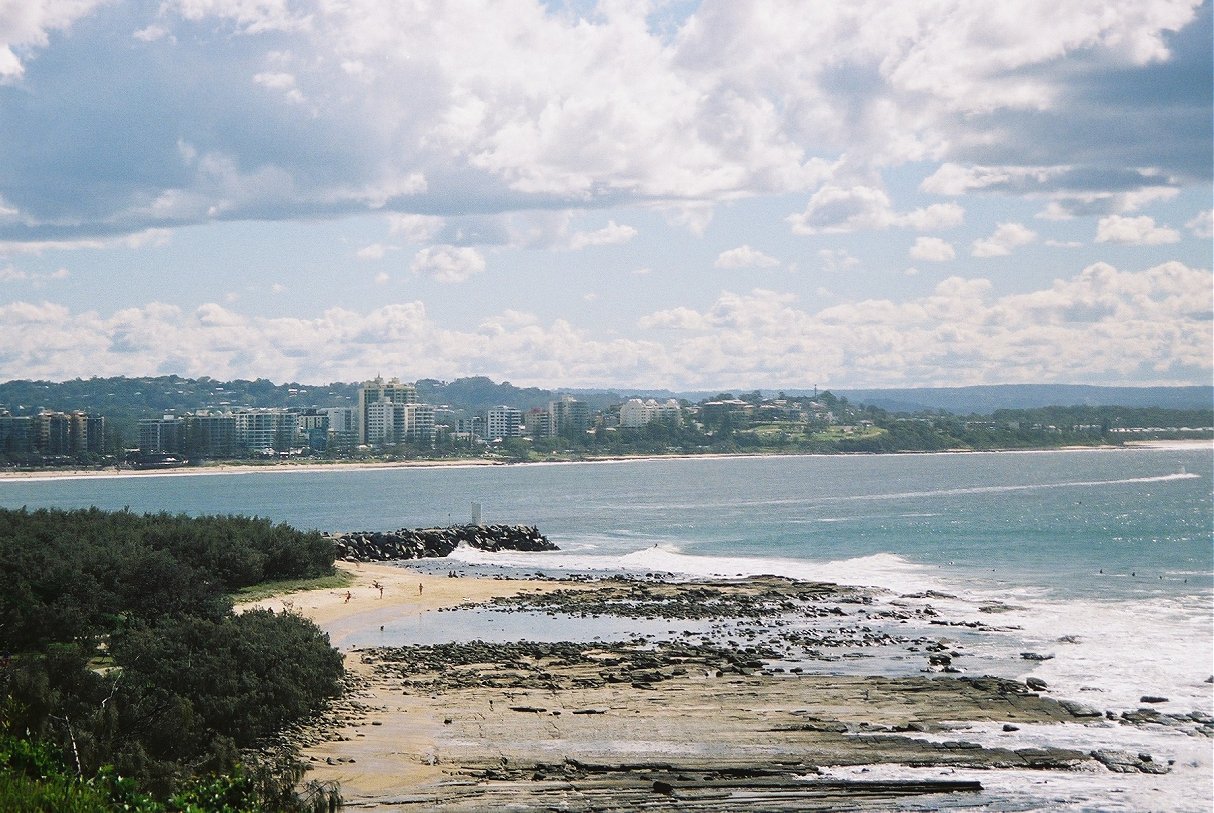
x=738 y=710
x=430 y=543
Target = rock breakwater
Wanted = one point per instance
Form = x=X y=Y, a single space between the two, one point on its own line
x=431 y=543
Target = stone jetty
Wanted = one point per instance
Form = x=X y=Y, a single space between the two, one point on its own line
x=431 y=543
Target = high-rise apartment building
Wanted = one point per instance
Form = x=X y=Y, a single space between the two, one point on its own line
x=160 y=435
x=503 y=422
x=16 y=435
x=374 y=391
x=568 y=415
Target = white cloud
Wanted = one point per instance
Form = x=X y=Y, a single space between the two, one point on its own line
x=1068 y=205
x=837 y=259
x=375 y=251
x=611 y=234
x=1137 y=231
x=250 y=16
x=275 y=81
x=745 y=257
x=955 y=179
x=1202 y=225
x=138 y=240
x=932 y=218
x=1101 y=325
x=11 y=274
x=151 y=33
x=834 y=210
x=933 y=249
x=283 y=82
x=1007 y=237
x=28 y=23
x=382 y=278
x=416 y=228
x=446 y=263
x=597 y=103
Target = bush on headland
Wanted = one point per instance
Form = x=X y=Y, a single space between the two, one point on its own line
x=127 y=678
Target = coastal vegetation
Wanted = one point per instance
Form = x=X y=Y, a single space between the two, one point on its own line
x=127 y=682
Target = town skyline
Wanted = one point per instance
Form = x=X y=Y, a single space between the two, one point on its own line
x=684 y=196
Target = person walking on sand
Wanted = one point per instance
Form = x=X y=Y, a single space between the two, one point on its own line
x=347 y=601
x=419 y=589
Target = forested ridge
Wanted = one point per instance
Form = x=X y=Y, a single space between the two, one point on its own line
x=127 y=680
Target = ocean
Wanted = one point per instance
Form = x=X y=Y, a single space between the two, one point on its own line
x=1102 y=560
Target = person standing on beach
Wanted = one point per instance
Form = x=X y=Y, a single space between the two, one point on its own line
x=419 y=589
x=347 y=601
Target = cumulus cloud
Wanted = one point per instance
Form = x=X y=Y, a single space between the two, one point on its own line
x=1202 y=225
x=1101 y=325
x=834 y=210
x=445 y=263
x=1007 y=238
x=594 y=105
x=745 y=257
x=933 y=249
x=27 y=24
x=1135 y=231
x=610 y=234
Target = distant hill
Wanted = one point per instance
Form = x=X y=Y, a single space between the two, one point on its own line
x=984 y=400
x=130 y=398
x=979 y=400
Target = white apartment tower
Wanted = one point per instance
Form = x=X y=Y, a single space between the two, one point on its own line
x=503 y=422
x=374 y=391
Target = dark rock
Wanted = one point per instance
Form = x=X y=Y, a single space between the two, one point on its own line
x=1035 y=656
x=1036 y=684
x=1125 y=762
x=1010 y=727
x=1151 y=698
x=664 y=788
x=428 y=543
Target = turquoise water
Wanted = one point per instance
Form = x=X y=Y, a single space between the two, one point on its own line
x=1048 y=520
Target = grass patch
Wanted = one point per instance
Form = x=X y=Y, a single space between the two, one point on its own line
x=837 y=433
x=267 y=589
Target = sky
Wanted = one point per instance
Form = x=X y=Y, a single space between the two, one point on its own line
x=683 y=195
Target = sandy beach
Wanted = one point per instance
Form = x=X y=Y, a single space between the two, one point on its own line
x=288 y=467
x=391 y=752
x=700 y=721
